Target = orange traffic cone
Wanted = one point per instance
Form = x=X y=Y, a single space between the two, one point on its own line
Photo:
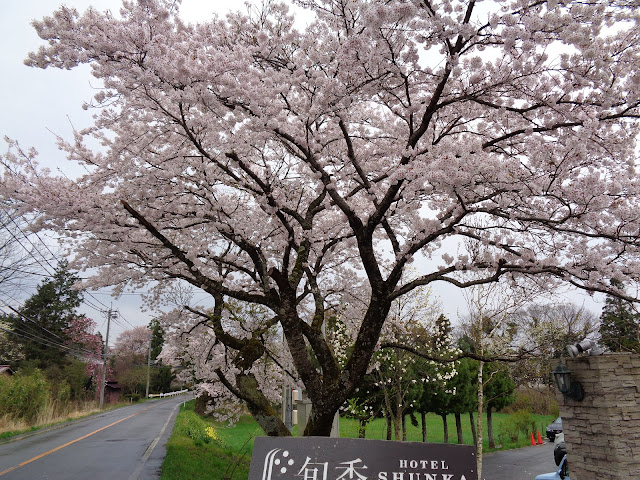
x=533 y=441
x=540 y=442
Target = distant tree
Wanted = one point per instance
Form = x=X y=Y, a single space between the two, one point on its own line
x=619 y=324
x=157 y=338
x=10 y=348
x=436 y=378
x=46 y=319
x=161 y=375
x=130 y=360
x=82 y=337
x=133 y=343
x=464 y=398
x=498 y=393
x=545 y=330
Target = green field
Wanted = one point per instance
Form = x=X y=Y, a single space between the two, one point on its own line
x=194 y=455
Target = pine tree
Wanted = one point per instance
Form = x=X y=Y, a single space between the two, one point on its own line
x=620 y=324
x=46 y=316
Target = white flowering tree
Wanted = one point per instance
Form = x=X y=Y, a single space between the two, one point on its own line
x=277 y=165
x=415 y=323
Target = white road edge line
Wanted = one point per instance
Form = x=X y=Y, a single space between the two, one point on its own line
x=136 y=473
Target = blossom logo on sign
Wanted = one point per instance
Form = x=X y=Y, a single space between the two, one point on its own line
x=277 y=463
x=273 y=460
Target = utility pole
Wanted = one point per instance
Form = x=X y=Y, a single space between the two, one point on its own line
x=146 y=395
x=104 y=359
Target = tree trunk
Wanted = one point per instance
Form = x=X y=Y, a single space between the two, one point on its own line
x=492 y=442
x=472 y=421
x=459 y=429
x=397 y=428
x=362 y=429
x=389 y=427
x=479 y=426
x=423 y=417
x=202 y=402
x=404 y=427
x=398 y=417
x=257 y=403
x=445 y=426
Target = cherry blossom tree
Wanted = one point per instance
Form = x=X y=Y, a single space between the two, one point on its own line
x=81 y=336
x=277 y=165
x=133 y=343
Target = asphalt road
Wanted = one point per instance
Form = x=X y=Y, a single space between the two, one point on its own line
x=126 y=443
x=520 y=464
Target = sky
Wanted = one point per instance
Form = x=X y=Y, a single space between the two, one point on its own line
x=38 y=105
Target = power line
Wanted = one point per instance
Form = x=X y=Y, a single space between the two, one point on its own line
x=31 y=254
x=33 y=245
x=32 y=321
x=47 y=342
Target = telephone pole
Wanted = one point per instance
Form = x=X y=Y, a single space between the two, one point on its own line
x=103 y=380
x=146 y=395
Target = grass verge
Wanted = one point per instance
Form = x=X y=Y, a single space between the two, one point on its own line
x=202 y=449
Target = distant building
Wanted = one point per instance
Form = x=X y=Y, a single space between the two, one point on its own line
x=112 y=392
x=6 y=370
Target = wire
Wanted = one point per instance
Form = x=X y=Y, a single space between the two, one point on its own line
x=47 y=342
x=32 y=321
x=31 y=254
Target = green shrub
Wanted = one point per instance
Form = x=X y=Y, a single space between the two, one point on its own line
x=63 y=397
x=193 y=427
x=509 y=430
x=542 y=402
x=133 y=397
x=24 y=396
x=520 y=422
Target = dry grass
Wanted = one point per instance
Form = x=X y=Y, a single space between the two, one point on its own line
x=49 y=415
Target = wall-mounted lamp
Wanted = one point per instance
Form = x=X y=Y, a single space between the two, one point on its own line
x=568 y=388
x=585 y=346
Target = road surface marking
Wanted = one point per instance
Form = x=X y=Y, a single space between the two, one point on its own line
x=72 y=442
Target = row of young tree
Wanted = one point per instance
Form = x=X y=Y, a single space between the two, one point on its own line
x=402 y=385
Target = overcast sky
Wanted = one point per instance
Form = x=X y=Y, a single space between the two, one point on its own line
x=39 y=104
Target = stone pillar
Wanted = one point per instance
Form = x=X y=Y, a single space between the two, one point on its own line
x=602 y=432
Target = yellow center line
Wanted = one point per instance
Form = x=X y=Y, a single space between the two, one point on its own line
x=72 y=442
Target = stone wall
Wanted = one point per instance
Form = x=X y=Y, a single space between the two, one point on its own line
x=602 y=431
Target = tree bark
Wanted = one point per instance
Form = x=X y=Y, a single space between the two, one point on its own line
x=472 y=421
x=423 y=417
x=202 y=402
x=459 y=428
x=404 y=427
x=492 y=442
x=479 y=425
x=445 y=426
x=389 y=427
x=259 y=406
x=362 y=429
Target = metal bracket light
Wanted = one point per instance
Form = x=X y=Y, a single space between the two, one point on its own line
x=570 y=389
